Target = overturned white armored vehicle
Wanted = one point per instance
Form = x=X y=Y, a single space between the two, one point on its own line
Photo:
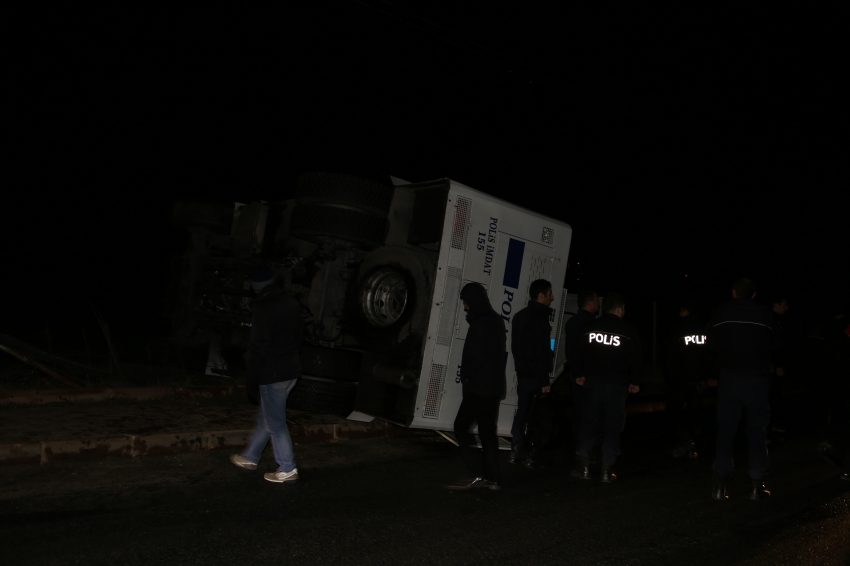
x=377 y=269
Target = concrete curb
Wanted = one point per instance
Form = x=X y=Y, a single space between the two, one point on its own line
x=645 y=407
x=97 y=448
x=79 y=449
x=42 y=396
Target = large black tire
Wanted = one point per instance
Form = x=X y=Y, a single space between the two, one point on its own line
x=330 y=188
x=335 y=363
x=313 y=222
x=201 y=214
x=407 y=333
x=323 y=396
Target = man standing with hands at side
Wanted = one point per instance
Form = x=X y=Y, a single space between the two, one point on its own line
x=744 y=336
x=482 y=373
x=608 y=366
x=574 y=328
x=532 y=352
x=687 y=372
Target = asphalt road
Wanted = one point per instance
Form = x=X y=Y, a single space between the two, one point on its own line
x=381 y=501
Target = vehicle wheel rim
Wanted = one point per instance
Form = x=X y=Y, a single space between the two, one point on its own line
x=384 y=297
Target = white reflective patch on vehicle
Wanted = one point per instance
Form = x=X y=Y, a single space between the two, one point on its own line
x=604 y=339
x=696 y=339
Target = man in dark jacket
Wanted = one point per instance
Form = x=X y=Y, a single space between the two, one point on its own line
x=841 y=369
x=687 y=375
x=531 y=338
x=743 y=335
x=609 y=368
x=482 y=373
x=779 y=370
x=837 y=448
x=273 y=369
x=574 y=329
x=820 y=332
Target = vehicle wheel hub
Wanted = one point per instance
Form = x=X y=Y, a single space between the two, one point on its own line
x=384 y=297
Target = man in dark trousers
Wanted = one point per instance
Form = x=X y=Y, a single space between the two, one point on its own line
x=837 y=448
x=687 y=375
x=273 y=370
x=574 y=329
x=609 y=368
x=743 y=335
x=840 y=371
x=824 y=383
x=482 y=373
x=781 y=356
x=532 y=352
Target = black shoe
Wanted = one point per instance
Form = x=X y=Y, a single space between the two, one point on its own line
x=535 y=461
x=468 y=483
x=517 y=454
x=718 y=489
x=582 y=469
x=608 y=475
x=759 y=491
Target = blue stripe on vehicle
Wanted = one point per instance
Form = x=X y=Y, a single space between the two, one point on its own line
x=513 y=264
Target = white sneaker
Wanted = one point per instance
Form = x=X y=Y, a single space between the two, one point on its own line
x=283 y=477
x=243 y=462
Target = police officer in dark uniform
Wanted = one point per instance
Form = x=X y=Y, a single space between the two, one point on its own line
x=743 y=335
x=837 y=447
x=574 y=329
x=532 y=352
x=779 y=369
x=818 y=332
x=687 y=376
x=609 y=366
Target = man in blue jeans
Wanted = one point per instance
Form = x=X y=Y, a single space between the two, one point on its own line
x=273 y=370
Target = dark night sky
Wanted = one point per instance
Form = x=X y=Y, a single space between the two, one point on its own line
x=698 y=140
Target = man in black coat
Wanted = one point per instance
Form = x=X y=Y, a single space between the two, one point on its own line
x=837 y=448
x=532 y=351
x=745 y=339
x=779 y=370
x=609 y=368
x=841 y=369
x=574 y=329
x=273 y=370
x=482 y=373
x=688 y=373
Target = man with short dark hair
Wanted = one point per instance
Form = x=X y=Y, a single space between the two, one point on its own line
x=532 y=352
x=687 y=375
x=608 y=366
x=273 y=370
x=482 y=373
x=574 y=328
x=744 y=337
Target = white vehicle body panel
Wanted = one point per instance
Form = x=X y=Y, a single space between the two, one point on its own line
x=505 y=248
